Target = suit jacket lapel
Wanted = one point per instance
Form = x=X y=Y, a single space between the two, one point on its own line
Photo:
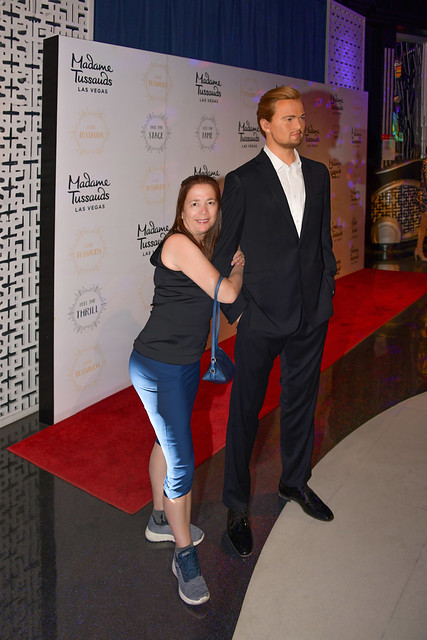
x=270 y=176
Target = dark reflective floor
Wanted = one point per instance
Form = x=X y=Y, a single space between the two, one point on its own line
x=74 y=568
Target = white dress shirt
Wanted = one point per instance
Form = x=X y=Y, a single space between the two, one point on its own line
x=292 y=181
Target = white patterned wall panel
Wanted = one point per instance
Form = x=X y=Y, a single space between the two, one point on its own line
x=23 y=26
x=345 y=47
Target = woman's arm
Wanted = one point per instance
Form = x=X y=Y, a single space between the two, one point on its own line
x=179 y=253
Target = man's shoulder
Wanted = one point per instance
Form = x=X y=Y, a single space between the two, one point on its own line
x=250 y=165
x=316 y=164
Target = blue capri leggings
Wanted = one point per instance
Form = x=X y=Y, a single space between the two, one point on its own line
x=168 y=392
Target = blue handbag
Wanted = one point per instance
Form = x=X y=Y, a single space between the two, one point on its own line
x=221 y=368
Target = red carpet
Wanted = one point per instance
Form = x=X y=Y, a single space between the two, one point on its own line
x=104 y=449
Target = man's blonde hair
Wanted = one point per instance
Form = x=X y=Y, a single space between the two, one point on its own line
x=267 y=103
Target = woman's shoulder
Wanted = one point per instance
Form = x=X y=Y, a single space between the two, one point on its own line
x=175 y=249
x=176 y=239
x=178 y=242
x=171 y=241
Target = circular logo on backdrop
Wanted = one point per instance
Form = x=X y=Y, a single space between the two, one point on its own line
x=337 y=229
x=249 y=93
x=88 y=251
x=157 y=81
x=156 y=132
x=356 y=136
x=87 y=366
x=86 y=310
x=207 y=133
x=154 y=185
x=355 y=198
x=91 y=132
x=356 y=105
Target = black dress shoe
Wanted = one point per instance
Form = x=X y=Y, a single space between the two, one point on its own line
x=308 y=501
x=239 y=532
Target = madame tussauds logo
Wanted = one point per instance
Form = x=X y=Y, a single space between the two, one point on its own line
x=249 y=135
x=354 y=196
x=90 y=75
x=336 y=103
x=205 y=171
x=334 y=168
x=207 y=87
x=354 y=227
x=150 y=236
x=87 y=192
x=354 y=254
x=312 y=136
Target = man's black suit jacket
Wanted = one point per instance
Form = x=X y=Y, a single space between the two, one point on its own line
x=282 y=270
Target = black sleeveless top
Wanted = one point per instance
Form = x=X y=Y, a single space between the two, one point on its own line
x=178 y=327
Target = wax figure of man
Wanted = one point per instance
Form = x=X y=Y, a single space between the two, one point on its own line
x=277 y=207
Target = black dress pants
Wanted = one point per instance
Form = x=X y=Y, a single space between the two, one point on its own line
x=300 y=358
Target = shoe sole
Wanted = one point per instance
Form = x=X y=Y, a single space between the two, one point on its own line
x=152 y=536
x=183 y=596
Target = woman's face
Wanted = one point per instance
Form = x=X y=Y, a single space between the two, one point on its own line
x=200 y=210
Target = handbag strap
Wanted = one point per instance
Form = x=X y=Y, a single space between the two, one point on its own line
x=215 y=321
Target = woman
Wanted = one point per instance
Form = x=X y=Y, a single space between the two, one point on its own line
x=165 y=367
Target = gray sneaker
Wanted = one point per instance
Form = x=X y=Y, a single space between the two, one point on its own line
x=163 y=533
x=191 y=584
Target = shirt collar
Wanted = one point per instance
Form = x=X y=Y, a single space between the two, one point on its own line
x=277 y=163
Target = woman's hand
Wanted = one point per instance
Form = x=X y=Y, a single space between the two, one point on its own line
x=238 y=258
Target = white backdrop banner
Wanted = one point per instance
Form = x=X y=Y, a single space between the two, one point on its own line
x=130 y=126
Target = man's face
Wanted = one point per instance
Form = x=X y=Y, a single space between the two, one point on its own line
x=287 y=125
